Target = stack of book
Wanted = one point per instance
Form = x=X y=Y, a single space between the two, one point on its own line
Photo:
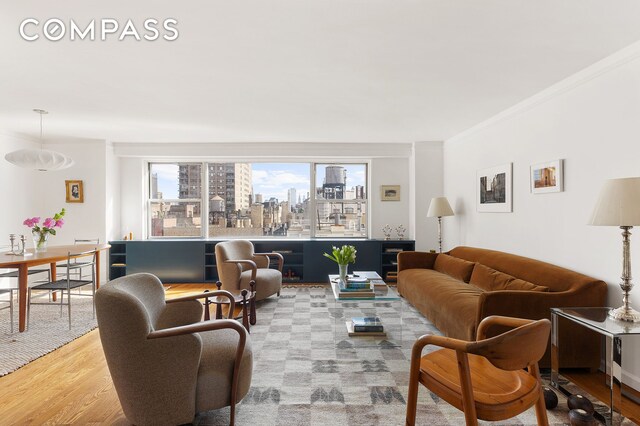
x=355 y=287
x=365 y=326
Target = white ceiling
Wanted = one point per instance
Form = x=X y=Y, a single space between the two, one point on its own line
x=299 y=70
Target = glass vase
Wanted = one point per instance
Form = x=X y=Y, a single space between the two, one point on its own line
x=343 y=271
x=40 y=241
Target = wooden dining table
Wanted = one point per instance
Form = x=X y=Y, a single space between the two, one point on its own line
x=51 y=256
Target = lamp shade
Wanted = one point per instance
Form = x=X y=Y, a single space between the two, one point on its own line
x=618 y=203
x=439 y=207
x=39 y=159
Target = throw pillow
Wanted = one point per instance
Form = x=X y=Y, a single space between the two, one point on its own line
x=457 y=268
x=488 y=279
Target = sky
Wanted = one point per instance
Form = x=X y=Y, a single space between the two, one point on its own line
x=269 y=179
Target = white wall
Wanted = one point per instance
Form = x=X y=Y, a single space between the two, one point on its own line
x=17 y=189
x=591 y=121
x=389 y=166
x=427 y=183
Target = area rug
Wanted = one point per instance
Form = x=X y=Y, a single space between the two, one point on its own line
x=48 y=330
x=307 y=374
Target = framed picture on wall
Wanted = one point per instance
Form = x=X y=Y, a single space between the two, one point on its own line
x=75 y=193
x=390 y=192
x=494 y=189
x=547 y=177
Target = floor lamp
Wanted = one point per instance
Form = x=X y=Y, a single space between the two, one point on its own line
x=619 y=205
x=439 y=207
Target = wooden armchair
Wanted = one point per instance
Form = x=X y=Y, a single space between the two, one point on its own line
x=167 y=364
x=238 y=266
x=500 y=388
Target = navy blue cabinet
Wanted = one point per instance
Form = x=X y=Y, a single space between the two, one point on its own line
x=193 y=261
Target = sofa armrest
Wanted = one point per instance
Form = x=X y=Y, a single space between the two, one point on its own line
x=416 y=259
x=529 y=304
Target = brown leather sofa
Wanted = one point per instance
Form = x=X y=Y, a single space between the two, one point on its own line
x=456 y=290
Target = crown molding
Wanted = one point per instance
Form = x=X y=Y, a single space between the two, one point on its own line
x=603 y=66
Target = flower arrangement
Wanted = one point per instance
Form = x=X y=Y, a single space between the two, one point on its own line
x=41 y=233
x=343 y=255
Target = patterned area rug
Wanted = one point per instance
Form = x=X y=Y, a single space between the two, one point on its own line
x=307 y=370
x=48 y=331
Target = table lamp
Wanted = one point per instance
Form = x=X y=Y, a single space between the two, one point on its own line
x=439 y=207
x=619 y=205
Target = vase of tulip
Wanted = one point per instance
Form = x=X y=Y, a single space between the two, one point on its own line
x=40 y=233
x=343 y=256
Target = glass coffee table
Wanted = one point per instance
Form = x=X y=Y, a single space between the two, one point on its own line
x=385 y=304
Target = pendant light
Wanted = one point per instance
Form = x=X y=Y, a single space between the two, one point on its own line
x=39 y=159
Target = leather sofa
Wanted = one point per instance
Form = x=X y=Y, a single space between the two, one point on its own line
x=457 y=289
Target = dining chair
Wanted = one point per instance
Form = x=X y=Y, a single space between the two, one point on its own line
x=484 y=378
x=76 y=242
x=66 y=283
x=10 y=303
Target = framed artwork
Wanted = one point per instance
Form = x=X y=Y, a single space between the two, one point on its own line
x=494 y=189
x=75 y=193
x=390 y=192
x=547 y=177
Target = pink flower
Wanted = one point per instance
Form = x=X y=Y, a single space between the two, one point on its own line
x=59 y=223
x=31 y=222
x=48 y=223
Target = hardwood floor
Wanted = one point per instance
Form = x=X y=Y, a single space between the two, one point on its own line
x=72 y=385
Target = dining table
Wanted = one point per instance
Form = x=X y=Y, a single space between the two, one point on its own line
x=51 y=256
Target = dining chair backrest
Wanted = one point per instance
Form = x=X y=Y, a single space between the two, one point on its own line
x=73 y=264
x=86 y=241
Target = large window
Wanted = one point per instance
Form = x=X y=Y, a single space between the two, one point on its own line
x=254 y=200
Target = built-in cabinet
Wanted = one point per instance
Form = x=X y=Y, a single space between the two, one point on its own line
x=194 y=261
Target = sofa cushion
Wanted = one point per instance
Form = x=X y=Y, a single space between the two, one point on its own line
x=488 y=279
x=454 y=267
x=451 y=305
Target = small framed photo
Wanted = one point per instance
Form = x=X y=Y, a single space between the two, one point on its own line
x=494 y=189
x=390 y=192
x=547 y=177
x=75 y=193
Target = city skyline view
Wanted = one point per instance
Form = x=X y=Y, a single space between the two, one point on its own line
x=268 y=179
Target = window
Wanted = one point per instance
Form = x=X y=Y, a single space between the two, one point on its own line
x=341 y=200
x=254 y=200
x=175 y=200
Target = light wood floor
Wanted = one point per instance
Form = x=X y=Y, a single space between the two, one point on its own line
x=72 y=386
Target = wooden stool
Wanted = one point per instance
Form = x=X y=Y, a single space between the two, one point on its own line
x=245 y=299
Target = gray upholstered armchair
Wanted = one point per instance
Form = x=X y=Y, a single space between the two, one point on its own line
x=167 y=364
x=238 y=265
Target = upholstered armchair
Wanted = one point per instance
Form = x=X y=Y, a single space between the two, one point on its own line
x=238 y=265
x=167 y=364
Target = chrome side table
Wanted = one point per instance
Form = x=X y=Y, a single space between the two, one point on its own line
x=598 y=320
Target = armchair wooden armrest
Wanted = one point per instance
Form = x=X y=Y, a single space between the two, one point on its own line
x=276 y=255
x=489 y=322
x=250 y=263
x=206 y=295
x=442 y=341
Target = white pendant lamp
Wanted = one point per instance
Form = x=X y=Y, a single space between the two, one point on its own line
x=39 y=159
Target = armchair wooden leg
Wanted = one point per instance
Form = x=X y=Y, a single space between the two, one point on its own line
x=541 y=409
x=245 y=316
x=218 y=305
x=252 y=304
x=207 y=315
x=468 y=403
x=412 y=397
